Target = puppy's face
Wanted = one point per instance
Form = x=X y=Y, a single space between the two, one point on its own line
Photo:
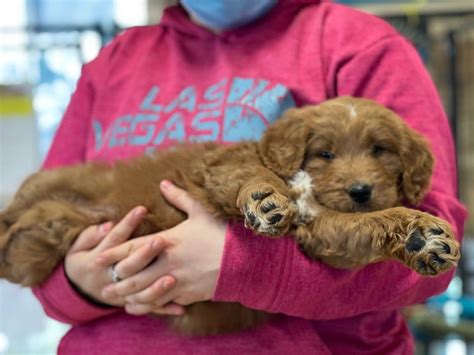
x=353 y=156
x=360 y=155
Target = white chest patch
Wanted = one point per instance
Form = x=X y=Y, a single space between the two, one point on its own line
x=352 y=111
x=301 y=186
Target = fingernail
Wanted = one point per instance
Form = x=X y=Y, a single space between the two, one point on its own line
x=139 y=211
x=165 y=184
x=156 y=244
x=105 y=227
x=167 y=283
x=176 y=310
x=130 y=308
x=179 y=312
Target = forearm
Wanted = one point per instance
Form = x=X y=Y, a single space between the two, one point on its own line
x=419 y=240
x=275 y=276
x=62 y=302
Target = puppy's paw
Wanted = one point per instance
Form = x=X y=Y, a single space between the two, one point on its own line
x=267 y=211
x=430 y=246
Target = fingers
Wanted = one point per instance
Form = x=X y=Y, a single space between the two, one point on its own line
x=179 y=198
x=142 y=309
x=155 y=294
x=124 y=229
x=134 y=283
x=90 y=237
x=129 y=261
x=122 y=251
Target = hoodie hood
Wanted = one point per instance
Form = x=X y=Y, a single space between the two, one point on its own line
x=177 y=19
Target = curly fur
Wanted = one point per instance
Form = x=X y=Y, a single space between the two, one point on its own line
x=297 y=180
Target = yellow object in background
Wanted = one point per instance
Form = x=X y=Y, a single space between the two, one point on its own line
x=19 y=155
x=413 y=10
x=15 y=101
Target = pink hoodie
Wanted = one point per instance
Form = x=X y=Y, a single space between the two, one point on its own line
x=158 y=85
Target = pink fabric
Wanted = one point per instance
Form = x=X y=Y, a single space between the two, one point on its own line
x=155 y=86
x=62 y=302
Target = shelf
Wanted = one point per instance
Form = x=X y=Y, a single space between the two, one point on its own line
x=428 y=9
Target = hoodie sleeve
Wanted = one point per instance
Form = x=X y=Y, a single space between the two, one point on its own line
x=62 y=302
x=57 y=296
x=273 y=275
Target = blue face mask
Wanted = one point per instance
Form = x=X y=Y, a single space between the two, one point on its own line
x=227 y=14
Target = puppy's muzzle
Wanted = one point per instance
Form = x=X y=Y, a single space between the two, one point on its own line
x=360 y=192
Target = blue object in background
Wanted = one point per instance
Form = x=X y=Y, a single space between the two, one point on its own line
x=59 y=68
x=466 y=303
x=71 y=13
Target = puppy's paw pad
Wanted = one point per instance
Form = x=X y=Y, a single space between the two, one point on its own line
x=267 y=208
x=275 y=218
x=260 y=195
x=251 y=219
x=431 y=248
x=415 y=242
x=268 y=212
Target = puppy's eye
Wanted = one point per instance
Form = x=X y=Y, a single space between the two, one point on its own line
x=377 y=150
x=326 y=155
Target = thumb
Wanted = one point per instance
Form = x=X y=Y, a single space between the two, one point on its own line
x=179 y=198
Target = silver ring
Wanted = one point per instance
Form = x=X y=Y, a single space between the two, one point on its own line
x=113 y=274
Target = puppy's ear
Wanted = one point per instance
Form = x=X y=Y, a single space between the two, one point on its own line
x=283 y=146
x=417 y=161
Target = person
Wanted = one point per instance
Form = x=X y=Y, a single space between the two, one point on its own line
x=223 y=71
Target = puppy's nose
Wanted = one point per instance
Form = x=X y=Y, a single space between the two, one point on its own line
x=360 y=192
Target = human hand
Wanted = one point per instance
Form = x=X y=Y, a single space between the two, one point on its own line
x=90 y=277
x=193 y=257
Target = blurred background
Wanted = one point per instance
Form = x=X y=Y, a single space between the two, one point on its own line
x=43 y=44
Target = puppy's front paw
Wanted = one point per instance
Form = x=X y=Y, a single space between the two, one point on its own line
x=267 y=211
x=430 y=248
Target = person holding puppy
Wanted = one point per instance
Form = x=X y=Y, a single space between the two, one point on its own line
x=223 y=71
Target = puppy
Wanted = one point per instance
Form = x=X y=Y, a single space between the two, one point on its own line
x=333 y=175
